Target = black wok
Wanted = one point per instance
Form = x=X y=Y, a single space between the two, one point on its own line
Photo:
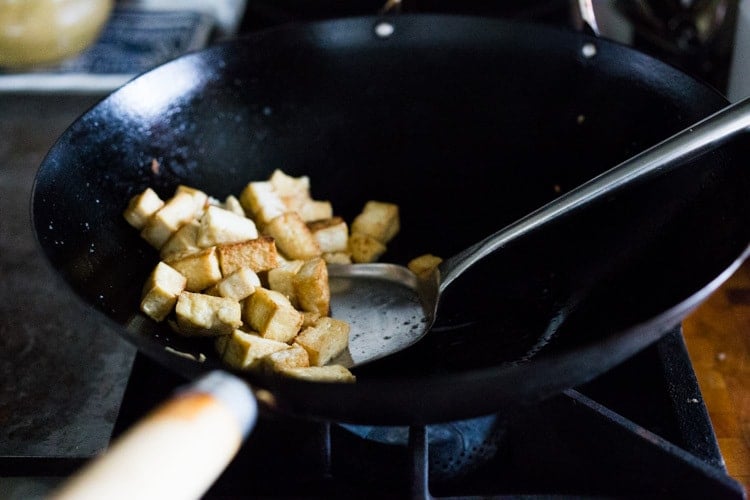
x=467 y=124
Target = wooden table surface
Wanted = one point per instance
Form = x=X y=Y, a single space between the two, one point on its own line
x=717 y=335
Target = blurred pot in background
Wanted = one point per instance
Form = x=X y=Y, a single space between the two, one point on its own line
x=37 y=32
x=697 y=36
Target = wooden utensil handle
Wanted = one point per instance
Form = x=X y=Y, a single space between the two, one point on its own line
x=177 y=450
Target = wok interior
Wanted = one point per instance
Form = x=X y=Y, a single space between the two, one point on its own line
x=465 y=133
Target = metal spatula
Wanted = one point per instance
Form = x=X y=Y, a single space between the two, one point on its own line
x=389 y=308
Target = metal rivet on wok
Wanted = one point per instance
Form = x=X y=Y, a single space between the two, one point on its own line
x=384 y=29
x=588 y=50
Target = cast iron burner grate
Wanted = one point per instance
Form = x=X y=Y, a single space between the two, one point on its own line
x=640 y=430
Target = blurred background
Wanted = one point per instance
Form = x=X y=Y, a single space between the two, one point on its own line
x=43 y=43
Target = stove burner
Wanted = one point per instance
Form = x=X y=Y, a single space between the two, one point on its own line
x=455 y=448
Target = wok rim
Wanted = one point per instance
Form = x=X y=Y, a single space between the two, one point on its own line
x=624 y=342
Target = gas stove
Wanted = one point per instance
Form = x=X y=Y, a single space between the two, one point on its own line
x=639 y=430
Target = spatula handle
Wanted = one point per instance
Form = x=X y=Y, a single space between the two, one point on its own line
x=705 y=135
x=177 y=451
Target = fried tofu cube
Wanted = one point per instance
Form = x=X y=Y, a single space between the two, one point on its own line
x=161 y=290
x=232 y=203
x=330 y=373
x=272 y=315
x=365 y=248
x=293 y=357
x=295 y=194
x=201 y=268
x=325 y=340
x=379 y=220
x=423 y=264
x=243 y=351
x=331 y=234
x=293 y=191
x=141 y=207
x=309 y=318
x=238 y=285
x=337 y=257
x=293 y=238
x=259 y=255
x=311 y=287
x=262 y=202
x=200 y=199
x=219 y=226
x=287 y=185
x=182 y=242
x=312 y=210
x=281 y=279
x=199 y=314
x=177 y=211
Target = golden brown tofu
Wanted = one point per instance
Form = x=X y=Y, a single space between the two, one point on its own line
x=177 y=211
x=292 y=236
x=219 y=226
x=141 y=207
x=232 y=203
x=272 y=315
x=311 y=287
x=161 y=290
x=243 y=351
x=251 y=272
x=293 y=357
x=364 y=248
x=293 y=191
x=325 y=340
x=259 y=255
x=310 y=318
x=281 y=279
x=201 y=268
x=311 y=210
x=331 y=234
x=204 y=315
x=262 y=202
x=379 y=220
x=200 y=199
x=184 y=241
x=238 y=285
x=337 y=257
x=424 y=264
x=330 y=373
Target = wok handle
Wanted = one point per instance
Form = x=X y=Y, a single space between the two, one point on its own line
x=176 y=451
